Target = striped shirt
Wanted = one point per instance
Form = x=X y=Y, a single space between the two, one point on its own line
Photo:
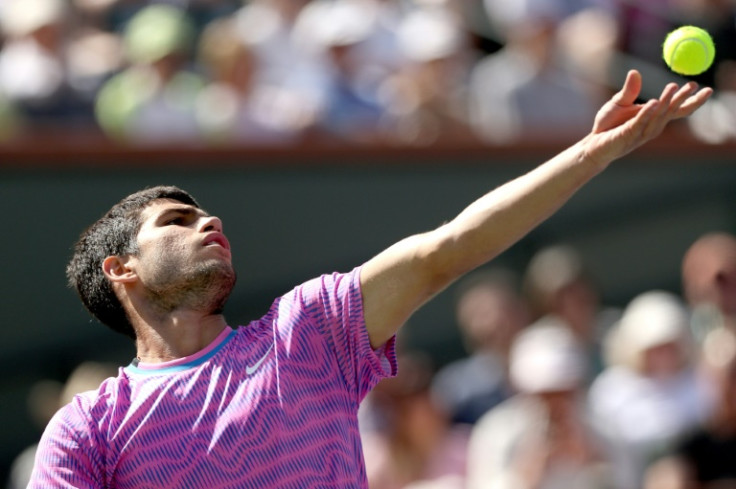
x=273 y=404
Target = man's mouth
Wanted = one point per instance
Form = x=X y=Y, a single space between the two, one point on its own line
x=217 y=239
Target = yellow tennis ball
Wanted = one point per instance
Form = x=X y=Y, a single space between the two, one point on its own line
x=688 y=50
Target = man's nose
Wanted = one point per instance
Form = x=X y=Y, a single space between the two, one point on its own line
x=210 y=223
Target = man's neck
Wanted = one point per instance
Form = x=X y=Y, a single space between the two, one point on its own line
x=179 y=335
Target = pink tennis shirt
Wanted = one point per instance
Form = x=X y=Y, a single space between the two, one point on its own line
x=270 y=405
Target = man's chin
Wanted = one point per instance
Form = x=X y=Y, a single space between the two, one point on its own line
x=227 y=284
x=218 y=271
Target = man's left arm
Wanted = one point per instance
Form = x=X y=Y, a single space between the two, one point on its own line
x=400 y=279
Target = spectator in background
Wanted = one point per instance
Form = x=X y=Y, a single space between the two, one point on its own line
x=650 y=395
x=706 y=459
x=489 y=313
x=427 y=96
x=380 y=52
x=717 y=124
x=235 y=106
x=540 y=438
x=152 y=101
x=588 y=39
x=34 y=64
x=560 y=290
x=351 y=109
x=293 y=73
x=44 y=399
x=95 y=50
x=42 y=403
x=527 y=89
x=418 y=444
x=642 y=26
x=709 y=282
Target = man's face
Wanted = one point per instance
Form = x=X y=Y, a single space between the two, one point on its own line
x=709 y=275
x=183 y=258
x=490 y=317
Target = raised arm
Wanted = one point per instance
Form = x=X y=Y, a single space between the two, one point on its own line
x=399 y=280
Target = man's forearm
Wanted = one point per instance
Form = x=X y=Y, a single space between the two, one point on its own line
x=497 y=220
x=406 y=275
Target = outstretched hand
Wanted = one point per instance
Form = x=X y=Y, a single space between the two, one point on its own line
x=621 y=125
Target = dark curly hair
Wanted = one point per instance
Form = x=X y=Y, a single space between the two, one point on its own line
x=114 y=234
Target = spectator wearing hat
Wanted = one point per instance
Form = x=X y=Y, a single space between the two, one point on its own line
x=539 y=438
x=35 y=75
x=489 y=312
x=561 y=290
x=428 y=96
x=153 y=100
x=350 y=108
x=706 y=458
x=650 y=395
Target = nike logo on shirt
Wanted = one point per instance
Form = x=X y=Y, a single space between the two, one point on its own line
x=250 y=369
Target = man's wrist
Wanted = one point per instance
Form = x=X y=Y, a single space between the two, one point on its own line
x=589 y=154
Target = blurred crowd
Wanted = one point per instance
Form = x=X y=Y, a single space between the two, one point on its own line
x=559 y=391
x=277 y=72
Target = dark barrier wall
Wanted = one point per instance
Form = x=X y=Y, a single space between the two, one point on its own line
x=291 y=215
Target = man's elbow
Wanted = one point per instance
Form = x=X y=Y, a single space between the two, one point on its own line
x=442 y=259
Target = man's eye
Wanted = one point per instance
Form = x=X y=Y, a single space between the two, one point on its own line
x=175 y=221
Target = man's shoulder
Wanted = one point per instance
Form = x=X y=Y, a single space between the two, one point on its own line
x=84 y=407
x=317 y=289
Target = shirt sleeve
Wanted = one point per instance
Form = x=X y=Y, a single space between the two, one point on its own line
x=335 y=305
x=66 y=457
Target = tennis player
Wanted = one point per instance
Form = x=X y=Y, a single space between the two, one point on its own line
x=274 y=404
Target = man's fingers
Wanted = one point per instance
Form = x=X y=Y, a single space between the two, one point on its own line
x=624 y=125
x=667 y=101
x=680 y=97
x=670 y=92
x=674 y=102
x=638 y=128
x=685 y=91
x=652 y=119
x=630 y=91
x=694 y=102
x=663 y=111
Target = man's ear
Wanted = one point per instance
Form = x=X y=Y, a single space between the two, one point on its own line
x=116 y=269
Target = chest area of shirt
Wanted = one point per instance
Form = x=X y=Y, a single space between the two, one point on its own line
x=264 y=382
x=258 y=406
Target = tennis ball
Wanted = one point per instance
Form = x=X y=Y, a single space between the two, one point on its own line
x=688 y=50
